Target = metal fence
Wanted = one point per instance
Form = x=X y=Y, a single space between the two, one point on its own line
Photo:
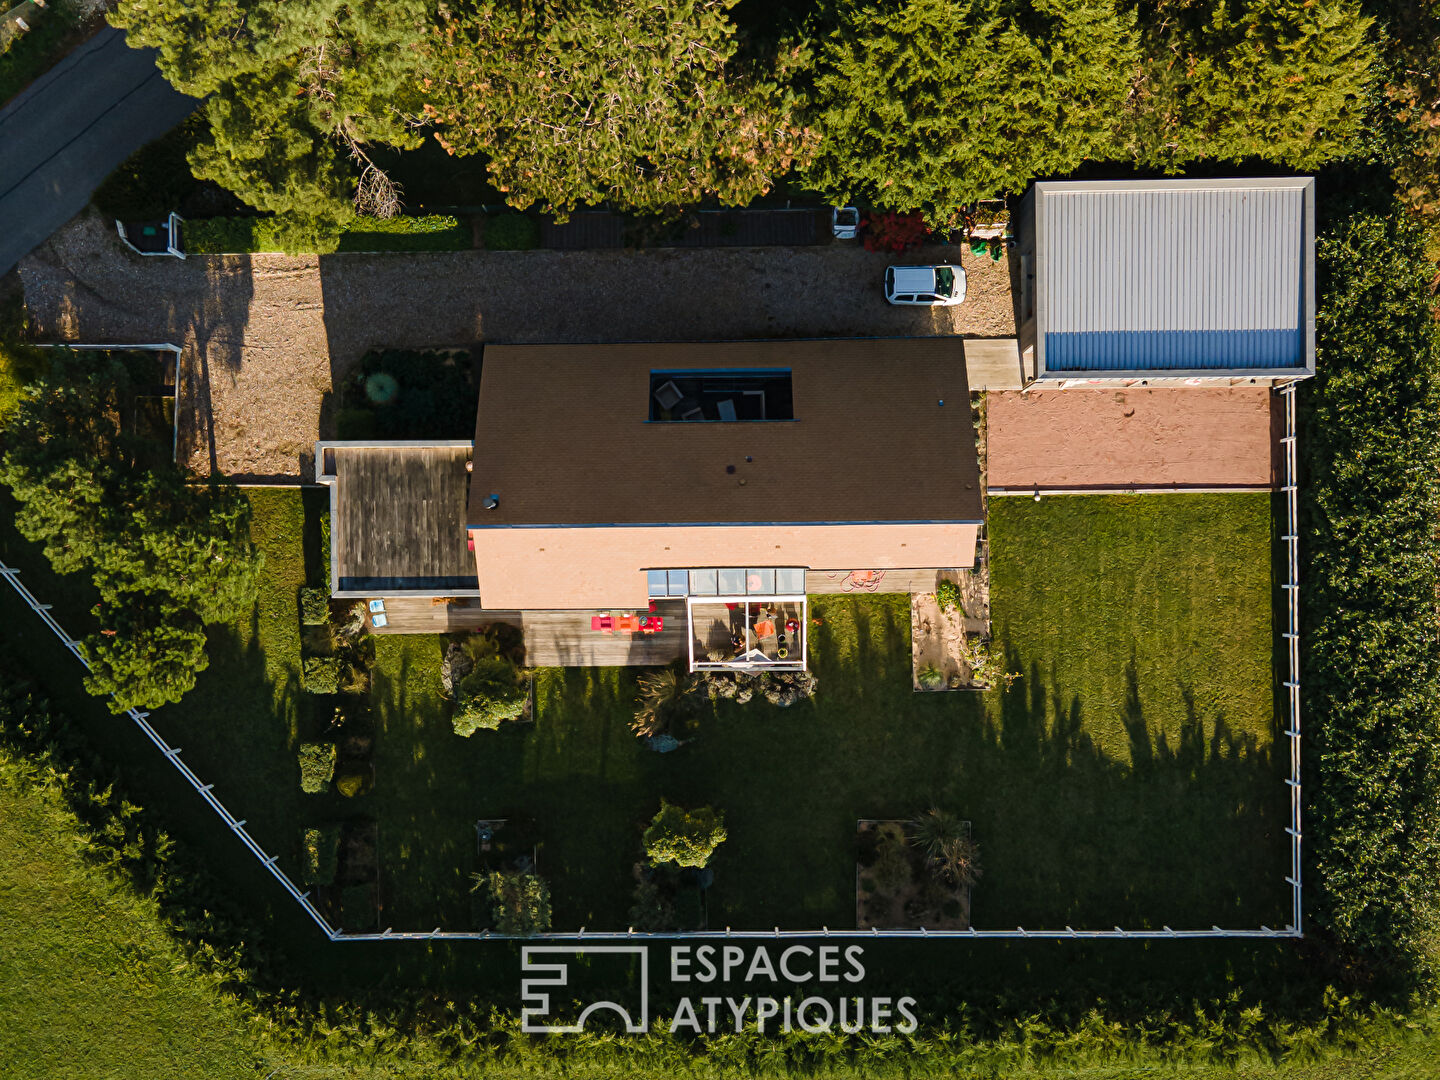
x=1291 y=636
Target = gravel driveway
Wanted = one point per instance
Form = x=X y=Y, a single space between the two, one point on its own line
x=266 y=337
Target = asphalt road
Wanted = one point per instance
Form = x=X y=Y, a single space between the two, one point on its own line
x=62 y=136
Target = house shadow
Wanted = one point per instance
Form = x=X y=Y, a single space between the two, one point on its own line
x=1178 y=824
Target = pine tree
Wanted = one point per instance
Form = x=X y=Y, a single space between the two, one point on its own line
x=298 y=92
x=932 y=104
x=165 y=554
x=1283 y=80
x=636 y=102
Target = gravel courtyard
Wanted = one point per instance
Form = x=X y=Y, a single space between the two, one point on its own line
x=267 y=337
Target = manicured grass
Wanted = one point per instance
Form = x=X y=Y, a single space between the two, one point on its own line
x=91 y=984
x=1128 y=777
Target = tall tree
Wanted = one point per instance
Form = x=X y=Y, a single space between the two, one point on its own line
x=1282 y=80
x=637 y=102
x=294 y=88
x=167 y=555
x=932 y=104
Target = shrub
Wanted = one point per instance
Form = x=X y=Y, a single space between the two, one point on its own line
x=947 y=595
x=20 y=365
x=933 y=828
x=317 y=766
x=519 y=901
x=321 y=674
x=894 y=232
x=321 y=848
x=511 y=232
x=314 y=607
x=931 y=677
x=1371 y=566
x=355 y=779
x=491 y=694
x=355 y=424
x=432 y=232
x=686 y=837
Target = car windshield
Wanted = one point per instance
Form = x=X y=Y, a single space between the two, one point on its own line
x=890 y=278
x=944 y=281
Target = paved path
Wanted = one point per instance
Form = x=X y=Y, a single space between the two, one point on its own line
x=61 y=137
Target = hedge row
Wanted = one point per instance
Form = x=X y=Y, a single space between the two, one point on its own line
x=241 y=235
x=1370 y=438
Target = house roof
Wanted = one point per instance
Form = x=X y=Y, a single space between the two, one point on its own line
x=399 y=523
x=563 y=437
x=1172 y=275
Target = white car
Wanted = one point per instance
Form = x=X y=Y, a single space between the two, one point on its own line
x=845 y=222
x=930 y=286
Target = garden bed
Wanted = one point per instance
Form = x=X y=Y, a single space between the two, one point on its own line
x=896 y=887
x=946 y=629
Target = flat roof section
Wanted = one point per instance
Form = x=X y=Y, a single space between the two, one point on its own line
x=1185 y=437
x=400 y=519
x=563 y=437
x=1175 y=275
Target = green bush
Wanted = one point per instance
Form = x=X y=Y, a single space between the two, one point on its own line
x=519 y=902
x=491 y=694
x=314 y=607
x=1370 y=517
x=243 y=235
x=355 y=780
x=435 y=232
x=511 y=232
x=947 y=594
x=317 y=766
x=687 y=837
x=321 y=847
x=20 y=365
x=321 y=674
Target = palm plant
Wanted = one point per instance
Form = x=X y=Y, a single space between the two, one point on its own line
x=958 y=861
x=933 y=828
x=662 y=694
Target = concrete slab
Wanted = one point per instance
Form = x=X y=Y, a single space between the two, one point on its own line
x=993 y=364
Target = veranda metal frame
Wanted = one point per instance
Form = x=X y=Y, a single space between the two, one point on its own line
x=741 y=663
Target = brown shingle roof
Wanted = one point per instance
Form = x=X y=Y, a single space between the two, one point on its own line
x=563 y=437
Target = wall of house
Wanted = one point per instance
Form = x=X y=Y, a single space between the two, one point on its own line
x=604 y=567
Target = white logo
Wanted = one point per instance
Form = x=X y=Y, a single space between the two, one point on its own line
x=540 y=979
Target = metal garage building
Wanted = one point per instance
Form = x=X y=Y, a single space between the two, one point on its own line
x=1164 y=282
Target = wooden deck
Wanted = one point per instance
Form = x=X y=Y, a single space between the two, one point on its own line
x=891 y=581
x=401 y=519
x=552 y=638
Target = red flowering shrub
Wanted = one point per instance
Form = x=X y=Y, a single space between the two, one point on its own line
x=893 y=232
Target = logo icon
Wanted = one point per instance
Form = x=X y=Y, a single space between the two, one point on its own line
x=542 y=976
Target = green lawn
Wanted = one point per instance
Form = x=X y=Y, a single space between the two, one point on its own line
x=90 y=982
x=1128 y=777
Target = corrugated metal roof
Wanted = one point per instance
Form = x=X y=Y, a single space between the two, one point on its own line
x=1172 y=276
